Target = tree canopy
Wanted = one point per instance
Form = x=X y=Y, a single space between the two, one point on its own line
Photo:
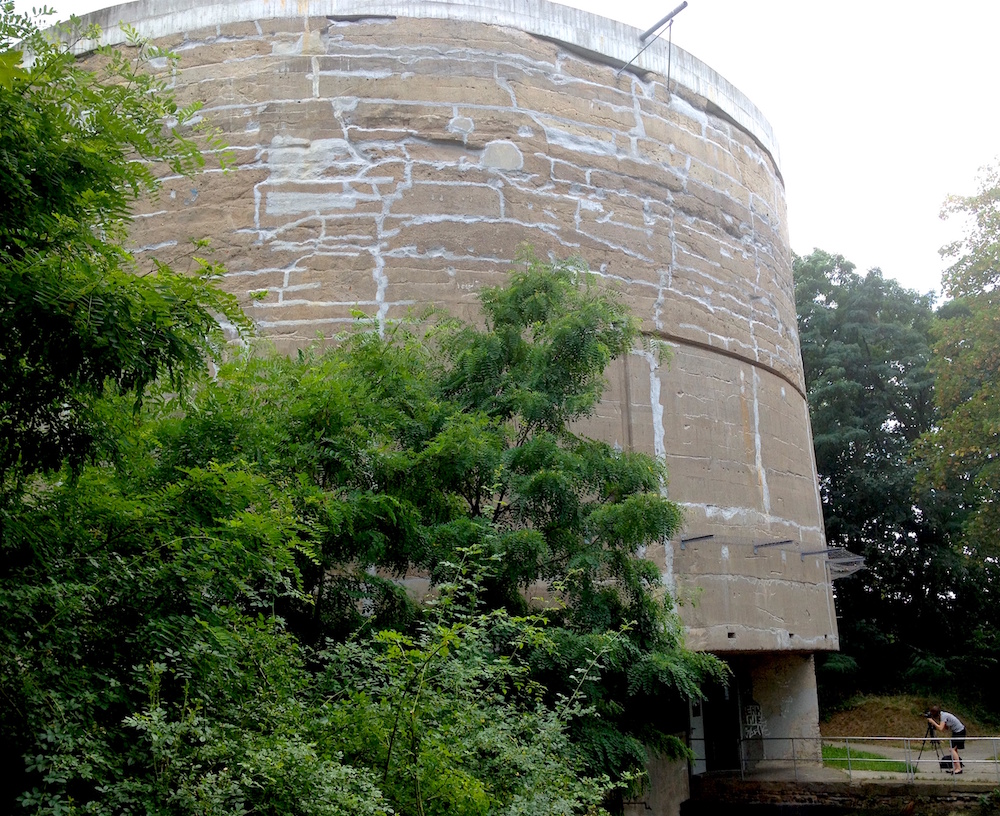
x=78 y=315
x=233 y=593
x=963 y=451
x=902 y=401
x=960 y=455
x=866 y=352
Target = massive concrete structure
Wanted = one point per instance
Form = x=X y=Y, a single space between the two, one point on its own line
x=391 y=153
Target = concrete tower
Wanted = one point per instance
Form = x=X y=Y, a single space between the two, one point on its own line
x=391 y=153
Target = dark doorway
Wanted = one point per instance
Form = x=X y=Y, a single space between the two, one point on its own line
x=722 y=729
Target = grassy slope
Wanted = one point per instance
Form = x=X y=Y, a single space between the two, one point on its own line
x=895 y=716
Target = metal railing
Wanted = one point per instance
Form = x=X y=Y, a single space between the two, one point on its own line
x=904 y=758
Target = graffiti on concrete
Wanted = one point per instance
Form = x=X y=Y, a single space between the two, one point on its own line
x=754 y=724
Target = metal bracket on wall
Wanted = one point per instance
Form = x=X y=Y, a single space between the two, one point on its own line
x=771 y=544
x=841 y=562
x=828 y=551
x=685 y=541
x=668 y=19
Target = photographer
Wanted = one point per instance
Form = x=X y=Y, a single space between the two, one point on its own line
x=942 y=720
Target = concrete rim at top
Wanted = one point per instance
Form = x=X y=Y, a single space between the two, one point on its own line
x=597 y=37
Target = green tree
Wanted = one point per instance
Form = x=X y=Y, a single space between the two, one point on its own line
x=450 y=716
x=403 y=451
x=961 y=453
x=77 y=315
x=176 y=618
x=231 y=593
x=865 y=346
x=141 y=666
x=145 y=670
x=964 y=449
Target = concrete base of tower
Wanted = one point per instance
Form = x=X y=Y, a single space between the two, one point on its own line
x=765 y=719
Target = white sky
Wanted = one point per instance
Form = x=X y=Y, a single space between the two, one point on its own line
x=881 y=109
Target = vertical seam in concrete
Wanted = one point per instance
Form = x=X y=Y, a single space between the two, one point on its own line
x=256 y=209
x=667 y=575
x=758 y=452
x=382 y=283
x=659 y=434
x=378 y=271
x=627 y=407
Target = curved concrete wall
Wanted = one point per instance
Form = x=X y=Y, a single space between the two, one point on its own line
x=390 y=154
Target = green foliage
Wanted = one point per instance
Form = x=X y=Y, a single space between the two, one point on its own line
x=906 y=470
x=141 y=660
x=989 y=803
x=975 y=259
x=836 y=678
x=218 y=620
x=451 y=718
x=866 y=352
x=960 y=454
x=928 y=672
x=77 y=149
x=146 y=666
x=400 y=452
x=541 y=359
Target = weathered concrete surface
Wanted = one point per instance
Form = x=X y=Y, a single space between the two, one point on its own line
x=784 y=687
x=598 y=38
x=669 y=785
x=391 y=155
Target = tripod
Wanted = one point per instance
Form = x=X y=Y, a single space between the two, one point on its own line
x=935 y=744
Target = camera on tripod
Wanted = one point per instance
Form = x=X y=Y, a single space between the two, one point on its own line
x=926 y=715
